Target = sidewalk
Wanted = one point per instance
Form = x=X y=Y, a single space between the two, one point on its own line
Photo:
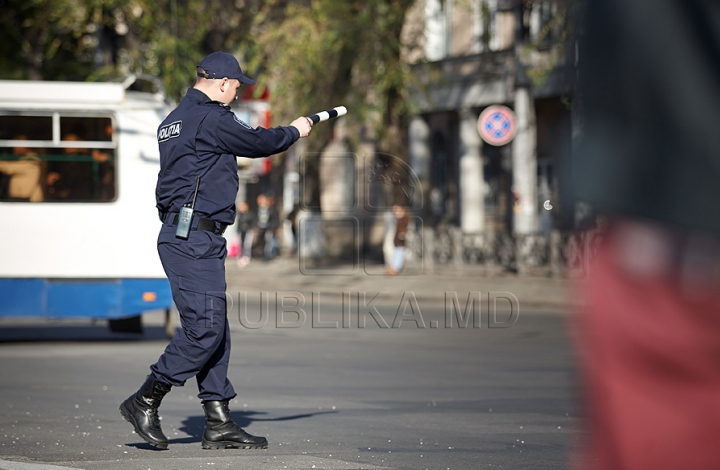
x=285 y=274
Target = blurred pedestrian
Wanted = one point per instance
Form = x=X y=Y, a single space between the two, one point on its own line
x=402 y=220
x=649 y=162
x=198 y=143
x=246 y=220
x=292 y=217
x=268 y=222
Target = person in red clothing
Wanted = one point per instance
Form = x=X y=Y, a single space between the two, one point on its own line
x=649 y=162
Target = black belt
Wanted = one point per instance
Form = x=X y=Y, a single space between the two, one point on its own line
x=203 y=224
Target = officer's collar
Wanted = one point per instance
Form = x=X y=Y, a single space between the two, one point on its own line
x=203 y=98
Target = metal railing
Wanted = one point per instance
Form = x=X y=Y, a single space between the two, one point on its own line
x=557 y=253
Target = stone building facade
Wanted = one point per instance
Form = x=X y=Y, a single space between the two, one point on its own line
x=474 y=54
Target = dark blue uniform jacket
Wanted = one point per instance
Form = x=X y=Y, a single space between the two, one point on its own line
x=202 y=138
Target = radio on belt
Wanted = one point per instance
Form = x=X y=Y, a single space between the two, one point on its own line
x=185 y=216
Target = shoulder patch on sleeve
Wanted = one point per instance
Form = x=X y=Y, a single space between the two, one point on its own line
x=241 y=122
x=169 y=131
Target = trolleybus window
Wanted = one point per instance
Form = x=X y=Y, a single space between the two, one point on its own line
x=54 y=157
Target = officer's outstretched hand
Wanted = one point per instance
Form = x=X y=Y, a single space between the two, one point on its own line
x=303 y=124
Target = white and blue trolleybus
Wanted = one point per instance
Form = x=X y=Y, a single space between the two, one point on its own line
x=78 y=223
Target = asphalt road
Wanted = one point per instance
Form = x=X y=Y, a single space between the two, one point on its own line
x=415 y=396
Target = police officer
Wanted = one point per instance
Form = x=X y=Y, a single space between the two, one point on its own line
x=198 y=143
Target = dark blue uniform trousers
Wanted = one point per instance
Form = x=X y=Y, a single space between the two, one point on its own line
x=196 y=270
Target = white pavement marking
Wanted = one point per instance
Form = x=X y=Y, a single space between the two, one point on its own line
x=8 y=465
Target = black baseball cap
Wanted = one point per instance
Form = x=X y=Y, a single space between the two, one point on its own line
x=221 y=65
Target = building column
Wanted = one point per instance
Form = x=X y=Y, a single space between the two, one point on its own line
x=472 y=177
x=436 y=30
x=420 y=154
x=524 y=160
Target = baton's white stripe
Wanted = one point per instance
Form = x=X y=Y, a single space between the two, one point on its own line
x=325 y=115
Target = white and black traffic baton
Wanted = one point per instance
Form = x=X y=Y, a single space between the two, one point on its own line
x=329 y=114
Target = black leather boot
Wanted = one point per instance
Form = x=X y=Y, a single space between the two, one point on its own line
x=222 y=432
x=141 y=410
